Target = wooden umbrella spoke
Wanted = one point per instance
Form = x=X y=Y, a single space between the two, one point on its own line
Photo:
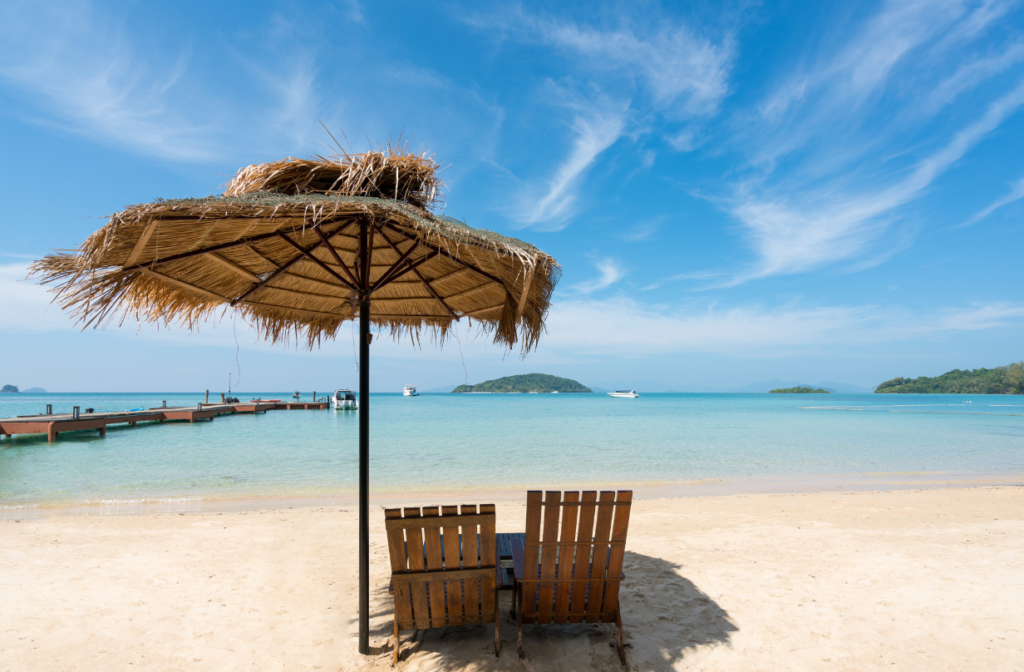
x=334 y=253
x=267 y=279
x=369 y=258
x=409 y=267
x=458 y=261
x=309 y=255
x=385 y=279
x=270 y=261
x=426 y=284
x=237 y=268
x=303 y=255
x=205 y=250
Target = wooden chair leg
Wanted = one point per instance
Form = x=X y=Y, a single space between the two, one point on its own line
x=394 y=658
x=519 y=619
x=515 y=592
x=622 y=643
x=497 y=632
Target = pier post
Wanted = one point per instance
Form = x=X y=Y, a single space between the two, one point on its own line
x=49 y=409
x=103 y=432
x=51 y=432
x=207 y=396
x=74 y=412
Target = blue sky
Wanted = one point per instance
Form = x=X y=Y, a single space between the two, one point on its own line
x=736 y=191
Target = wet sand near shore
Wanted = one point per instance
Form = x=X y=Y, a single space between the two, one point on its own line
x=900 y=580
x=732 y=485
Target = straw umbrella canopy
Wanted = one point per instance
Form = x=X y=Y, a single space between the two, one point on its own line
x=299 y=247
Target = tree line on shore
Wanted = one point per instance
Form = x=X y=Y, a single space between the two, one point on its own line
x=1000 y=380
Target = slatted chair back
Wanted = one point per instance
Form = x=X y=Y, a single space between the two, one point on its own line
x=577 y=543
x=443 y=566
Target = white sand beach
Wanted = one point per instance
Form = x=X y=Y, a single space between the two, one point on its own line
x=909 y=580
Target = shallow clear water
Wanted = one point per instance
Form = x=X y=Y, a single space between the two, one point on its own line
x=446 y=441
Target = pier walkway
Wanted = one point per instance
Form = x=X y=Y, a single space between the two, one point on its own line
x=53 y=424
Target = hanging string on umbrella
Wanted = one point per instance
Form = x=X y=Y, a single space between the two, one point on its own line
x=237 y=363
x=355 y=355
x=459 y=341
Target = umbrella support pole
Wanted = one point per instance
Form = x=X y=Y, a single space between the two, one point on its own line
x=364 y=475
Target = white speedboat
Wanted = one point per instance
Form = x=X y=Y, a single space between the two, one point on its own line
x=410 y=391
x=624 y=394
x=344 y=400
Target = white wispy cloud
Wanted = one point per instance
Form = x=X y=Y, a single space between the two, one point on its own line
x=550 y=209
x=82 y=69
x=610 y=273
x=82 y=73
x=971 y=75
x=621 y=325
x=840 y=226
x=577 y=326
x=25 y=305
x=686 y=73
x=677 y=71
x=820 y=191
x=1016 y=193
x=644 y=230
x=290 y=85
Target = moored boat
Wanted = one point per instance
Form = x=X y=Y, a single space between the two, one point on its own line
x=624 y=394
x=410 y=391
x=344 y=400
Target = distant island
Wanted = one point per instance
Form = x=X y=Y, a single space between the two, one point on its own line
x=798 y=390
x=530 y=382
x=1000 y=380
x=9 y=389
x=34 y=390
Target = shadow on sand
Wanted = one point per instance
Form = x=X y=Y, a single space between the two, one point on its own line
x=664 y=616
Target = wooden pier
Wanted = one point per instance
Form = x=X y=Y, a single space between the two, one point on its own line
x=52 y=425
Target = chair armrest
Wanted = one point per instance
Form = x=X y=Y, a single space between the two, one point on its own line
x=518 y=558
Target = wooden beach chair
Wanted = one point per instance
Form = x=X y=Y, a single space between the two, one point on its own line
x=569 y=568
x=444 y=568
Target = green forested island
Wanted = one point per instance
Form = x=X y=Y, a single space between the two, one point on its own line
x=9 y=388
x=1000 y=380
x=530 y=382
x=798 y=390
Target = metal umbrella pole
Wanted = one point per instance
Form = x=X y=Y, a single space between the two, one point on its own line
x=364 y=448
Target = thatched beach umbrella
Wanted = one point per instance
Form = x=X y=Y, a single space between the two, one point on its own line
x=298 y=247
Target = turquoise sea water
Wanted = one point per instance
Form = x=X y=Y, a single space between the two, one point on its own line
x=445 y=441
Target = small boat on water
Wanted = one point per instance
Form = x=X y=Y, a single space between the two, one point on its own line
x=410 y=391
x=344 y=400
x=624 y=394
x=264 y=401
x=297 y=395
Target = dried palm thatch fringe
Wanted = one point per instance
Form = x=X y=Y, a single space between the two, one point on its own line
x=260 y=249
